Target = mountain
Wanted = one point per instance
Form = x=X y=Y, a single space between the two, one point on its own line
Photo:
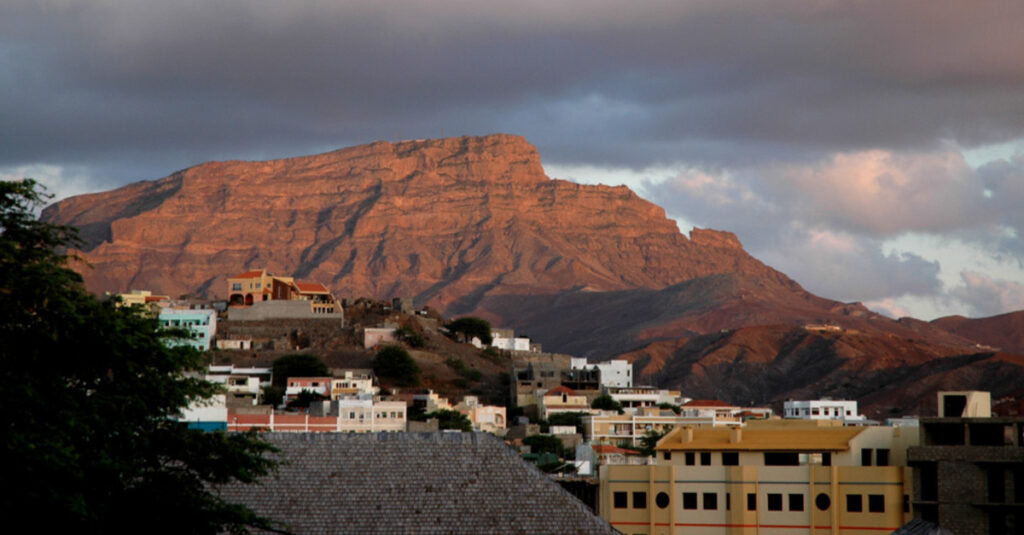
x=889 y=375
x=450 y=222
x=1005 y=331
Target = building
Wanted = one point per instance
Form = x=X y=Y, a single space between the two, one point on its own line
x=636 y=397
x=142 y=298
x=314 y=385
x=352 y=383
x=823 y=409
x=201 y=325
x=969 y=470
x=505 y=339
x=374 y=336
x=613 y=373
x=486 y=418
x=562 y=399
x=627 y=429
x=258 y=295
x=767 y=477
x=704 y=408
x=410 y=483
x=363 y=415
x=207 y=414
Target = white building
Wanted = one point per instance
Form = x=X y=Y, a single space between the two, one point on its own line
x=201 y=325
x=352 y=383
x=373 y=336
x=638 y=397
x=823 y=409
x=365 y=415
x=614 y=373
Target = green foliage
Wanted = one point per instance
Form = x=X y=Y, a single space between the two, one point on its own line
x=574 y=419
x=650 y=439
x=545 y=444
x=467 y=373
x=410 y=337
x=298 y=365
x=395 y=364
x=470 y=326
x=447 y=419
x=670 y=407
x=90 y=393
x=606 y=402
x=303 y=399
x=272 y=395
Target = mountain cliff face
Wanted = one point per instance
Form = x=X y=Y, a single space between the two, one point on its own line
x=448 y=221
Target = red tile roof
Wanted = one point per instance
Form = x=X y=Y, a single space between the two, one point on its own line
x=311 y=287
x=706 y=403
x=561 y=389
x=248 y=275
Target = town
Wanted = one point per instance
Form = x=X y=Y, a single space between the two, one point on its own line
x=646 y=460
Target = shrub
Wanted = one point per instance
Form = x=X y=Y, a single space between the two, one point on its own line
x=395 y=364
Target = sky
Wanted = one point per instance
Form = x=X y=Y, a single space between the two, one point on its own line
x=872 y=150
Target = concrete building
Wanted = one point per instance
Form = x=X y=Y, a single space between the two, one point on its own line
x=314 y=385
x=258 y=295
x=352 y=383
x=768 y=477
x=636 y=397
x=201 y=325
x=627 y=429
x=142 y=298
x=374 y=336
x=208 y=414
x=486 y=418
x=562 y=399
x=969 y=471
x=823 y=409
x=613 y=373
x=505 y=339
x=365 y=415
x=704 y=408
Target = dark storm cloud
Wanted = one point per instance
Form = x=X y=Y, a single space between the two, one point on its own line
x=589 y=82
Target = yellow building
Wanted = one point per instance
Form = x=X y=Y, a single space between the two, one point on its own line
x=768 y=477
x=626 y=430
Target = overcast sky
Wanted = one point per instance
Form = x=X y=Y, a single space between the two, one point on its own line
x=872 y=150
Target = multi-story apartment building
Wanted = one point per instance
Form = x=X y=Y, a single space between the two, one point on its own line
x=201 y=325
x=352 y=383
x=314 y=385
x=628 y=428
x=767 y=477
x=635 y=397
x=613 y=373
x=823 y=409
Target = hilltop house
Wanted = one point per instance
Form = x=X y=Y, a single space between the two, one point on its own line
x=259 y=295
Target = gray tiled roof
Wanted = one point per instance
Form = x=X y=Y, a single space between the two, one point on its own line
x=410 y=483
x=920 y=527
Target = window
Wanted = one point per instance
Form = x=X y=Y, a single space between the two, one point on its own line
x=882 y=457
x=876 y=503
x=826 y=458
x=620 y=499
x=691 y=458
x=728 y=501
x=751 y=501
x=661 y=500
x=639 y=500
x=796 y=502
x=774 y=458
x=730 y=458
x=710 y=501
x=906 y=503
x=854 y=503
x=865 y=457
x=667 y=455
x=822 y=501
x=236 y=287
x=689 y=500
x=705 y=458
x=774 y=502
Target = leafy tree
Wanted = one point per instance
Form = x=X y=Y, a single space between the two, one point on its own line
x=395 y=364
x=606 y=402
x=272 y=395
x=447 y=419
x=574 y=419
x=650 y=439
x=303 y=399
x=410 y=337
x=670 y=407
x=545 y=444
x=90 y=393
x=470 y=326
x=298 y=365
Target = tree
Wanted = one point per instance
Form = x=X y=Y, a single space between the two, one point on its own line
x=470 y=326
x=298 y=365
x=395 y=364
x=448 y=419
x=90 y=394
x=545 y=444
x=650 y=439
x=606 y=402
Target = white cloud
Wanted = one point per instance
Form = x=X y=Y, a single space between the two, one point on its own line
x=59 y=181
x=987 y=296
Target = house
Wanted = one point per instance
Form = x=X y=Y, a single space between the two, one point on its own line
x=636 y=397
x=313 y=385
x=969 y=470
x=702 y=408
x=352 y=383
x=258 y=295
x=823 y=409
x=409 y=483
x=487 y=418
x=374 y=336
x=142 y=298
x=562 y=399
x=766 y=477
x=613 y=373
x=201 y=325
x=363 y=415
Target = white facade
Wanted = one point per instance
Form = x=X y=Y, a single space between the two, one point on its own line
x=822 y=409
x=516 y=343
x=638 y=397
x=214 y=409
x=352 y=383
x=373 y=336
x=614 y=373
x=367 y=415
x=200 y=323
x=241 y=344
x=263 y=374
